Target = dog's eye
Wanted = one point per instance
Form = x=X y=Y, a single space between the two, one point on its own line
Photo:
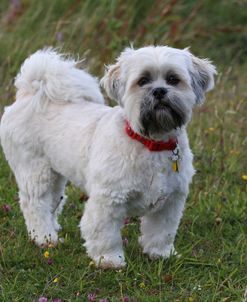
x=143 y=81
x=172 y=80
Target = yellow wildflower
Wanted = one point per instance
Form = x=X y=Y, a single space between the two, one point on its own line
x=46 y=254
x=91 y=263
x=210 y=130
x=142 y=285
x=55 y=280
x=244 y=177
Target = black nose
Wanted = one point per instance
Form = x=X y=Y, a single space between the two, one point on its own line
x=159 y=93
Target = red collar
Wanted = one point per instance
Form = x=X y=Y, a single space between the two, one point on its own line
x=152 y=145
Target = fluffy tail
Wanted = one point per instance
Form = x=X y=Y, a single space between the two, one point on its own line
x=47 y=76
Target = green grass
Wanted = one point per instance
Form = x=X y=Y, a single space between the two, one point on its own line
x=212 y=236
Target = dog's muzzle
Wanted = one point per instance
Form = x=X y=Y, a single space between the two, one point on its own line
x=160 y=114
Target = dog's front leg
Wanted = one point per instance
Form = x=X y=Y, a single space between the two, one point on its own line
x=100 y=227
x=158 y=229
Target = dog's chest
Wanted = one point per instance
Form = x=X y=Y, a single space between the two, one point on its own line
x=157 y=181
x=160 y=185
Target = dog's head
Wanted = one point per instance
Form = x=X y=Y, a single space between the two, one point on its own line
x=158 y=86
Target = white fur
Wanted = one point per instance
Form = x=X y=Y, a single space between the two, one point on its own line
x=59 y=129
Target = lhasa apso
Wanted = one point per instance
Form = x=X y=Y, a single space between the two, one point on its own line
x=132 y=159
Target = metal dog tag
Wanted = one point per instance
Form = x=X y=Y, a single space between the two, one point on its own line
x=175 y=158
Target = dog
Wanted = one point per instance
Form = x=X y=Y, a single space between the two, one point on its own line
x=133 y=159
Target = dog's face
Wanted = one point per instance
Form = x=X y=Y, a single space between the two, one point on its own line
x=158 y=87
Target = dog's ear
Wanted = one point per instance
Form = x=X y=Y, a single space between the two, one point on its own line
x=111 y=82
x=202 y=77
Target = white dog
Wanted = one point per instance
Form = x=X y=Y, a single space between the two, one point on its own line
x=133 y=159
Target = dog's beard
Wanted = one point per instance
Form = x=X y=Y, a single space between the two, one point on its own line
x=158 y=116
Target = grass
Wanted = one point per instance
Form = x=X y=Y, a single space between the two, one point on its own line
x=212 y=236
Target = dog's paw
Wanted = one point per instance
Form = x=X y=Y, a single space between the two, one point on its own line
x=166 y=253
x=110 y=261
x=43 y=240
x=155 y=253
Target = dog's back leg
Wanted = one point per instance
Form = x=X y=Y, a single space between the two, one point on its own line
x=58 y=197
x=38 y=187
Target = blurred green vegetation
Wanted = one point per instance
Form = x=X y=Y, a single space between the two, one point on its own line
x=100 y=29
